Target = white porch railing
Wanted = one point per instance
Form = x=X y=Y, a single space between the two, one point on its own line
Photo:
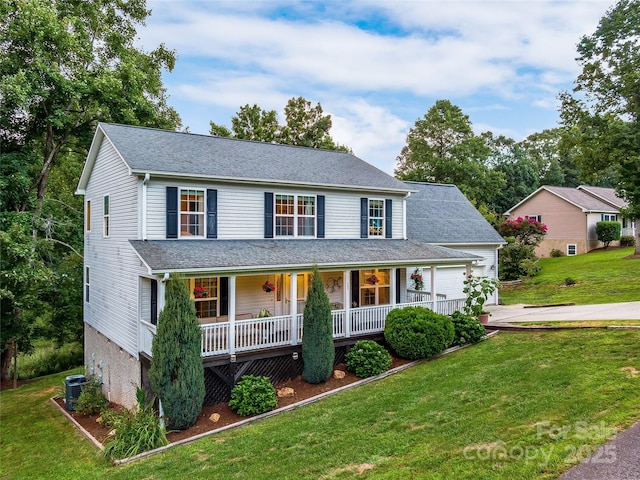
x=271 y=332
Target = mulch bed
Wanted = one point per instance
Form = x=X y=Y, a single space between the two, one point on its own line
x=303 y=391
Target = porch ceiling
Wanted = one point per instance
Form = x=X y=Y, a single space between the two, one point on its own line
x=234 y=256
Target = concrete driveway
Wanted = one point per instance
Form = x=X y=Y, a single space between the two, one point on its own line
x=608 y=311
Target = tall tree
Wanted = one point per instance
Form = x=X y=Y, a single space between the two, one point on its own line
x=602 y=117
x=66 y=65
x=318 y=352
x=306 y=126
x=442 y=148
x=555 y=167
x=176 y=372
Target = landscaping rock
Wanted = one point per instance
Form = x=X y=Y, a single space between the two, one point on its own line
x=214 y=417
x=338 y=374
x=286 y=392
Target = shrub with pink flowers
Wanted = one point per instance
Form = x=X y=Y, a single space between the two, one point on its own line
x=527 y=231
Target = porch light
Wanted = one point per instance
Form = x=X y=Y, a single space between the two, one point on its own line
x=294 y=355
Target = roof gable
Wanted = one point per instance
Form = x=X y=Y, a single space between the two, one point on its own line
x=441 y=214
x=574 y=196
x=607 y=195
x=176 y=154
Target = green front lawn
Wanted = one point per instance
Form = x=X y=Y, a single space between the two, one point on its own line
x=516 y=406
x=602 y=276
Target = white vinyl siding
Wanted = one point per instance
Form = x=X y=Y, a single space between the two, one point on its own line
x=115 y=268
x=240 y=212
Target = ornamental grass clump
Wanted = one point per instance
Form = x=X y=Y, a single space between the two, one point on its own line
x=253 y=395
x=417 y=332
x=135 y=431
x=468 y=329
x=368 y=358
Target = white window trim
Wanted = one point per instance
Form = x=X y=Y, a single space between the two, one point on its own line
x=87 y=284
x=575 y=249
x=369 y=217
x=537 y=218
x=376 y=287
x=203 y=214
x=192 y=283
x=106 y=217
x=607 y=217
x=295 y=215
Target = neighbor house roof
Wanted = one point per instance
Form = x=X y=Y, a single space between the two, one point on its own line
x=224 y=256
x=441 y=214
x=581 y=199
x=177 y=154
x=606 y=194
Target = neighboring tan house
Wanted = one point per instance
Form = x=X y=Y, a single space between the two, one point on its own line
x=244 y=223
x=440 y=214
x=571 y=215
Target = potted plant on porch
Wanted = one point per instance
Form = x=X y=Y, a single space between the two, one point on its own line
x=478 y=289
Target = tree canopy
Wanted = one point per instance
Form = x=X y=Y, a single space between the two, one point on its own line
x=442 y=148
x=602 y=115
x=306 y=126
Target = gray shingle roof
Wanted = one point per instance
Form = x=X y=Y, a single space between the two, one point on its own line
x=606 y=194
x=269 y=255
x=441 y=214
x=183 y=154
x=581 y=199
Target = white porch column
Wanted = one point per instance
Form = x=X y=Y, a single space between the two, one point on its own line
x=346 y=301
x=434 y=300
x=393 y=286
x=232 y=315
x=293 y=307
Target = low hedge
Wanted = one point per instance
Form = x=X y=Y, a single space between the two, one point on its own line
x=253 y=395
x=368 y=358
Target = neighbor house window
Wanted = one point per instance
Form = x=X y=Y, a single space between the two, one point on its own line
x=376 y=218
x=537 y=218
x=105 y=216
x=86 y=284
x=192 y=213
x=375 y=288
x=609 y=217
x=204 y=292
x=295 y=215
x=572 y=249
x=87 y=216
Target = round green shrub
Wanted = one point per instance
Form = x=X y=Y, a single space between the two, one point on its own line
x=253 y=395
x=468 y=329
x=555 y=253
x=92 y=399
x=627 y=241
x=417 y=332
x=368 y=358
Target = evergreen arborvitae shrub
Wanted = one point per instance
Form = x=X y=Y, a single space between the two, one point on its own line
x=368 y=358
x=608 y=231
x=318 y=352
x=176 y=373
x=417 y=332
x=468 y=329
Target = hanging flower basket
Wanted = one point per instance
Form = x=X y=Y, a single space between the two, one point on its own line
x=200 y=292
x=416 y=277
x=372 y=280
x=268 y=287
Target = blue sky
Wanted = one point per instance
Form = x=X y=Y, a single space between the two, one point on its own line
x=375 y=66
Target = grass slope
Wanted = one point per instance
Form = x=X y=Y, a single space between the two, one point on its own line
x=470 y=415
x=602 y=276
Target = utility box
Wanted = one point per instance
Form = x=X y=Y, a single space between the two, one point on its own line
x=73 y=386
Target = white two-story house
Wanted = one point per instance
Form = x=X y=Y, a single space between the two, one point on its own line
x=244 y=223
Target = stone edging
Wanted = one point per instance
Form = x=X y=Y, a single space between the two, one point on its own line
x=267 y=414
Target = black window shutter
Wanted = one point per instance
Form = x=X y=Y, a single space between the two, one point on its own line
x=398 y=289
x=268 y=214
x=388 y=227
x=154 y=302
x=355 y=287
x=320 y=216
x=172 y=212
x=212 y=213
x=224 y=295
x=364 y=218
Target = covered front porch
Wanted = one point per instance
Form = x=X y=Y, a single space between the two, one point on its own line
x=258 y=304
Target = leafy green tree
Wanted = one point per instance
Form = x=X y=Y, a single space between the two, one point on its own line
x=442 y=148
x=318 y=352
x=517 y=259
x=176 y=372
x=306 y=126
x=602 y=118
